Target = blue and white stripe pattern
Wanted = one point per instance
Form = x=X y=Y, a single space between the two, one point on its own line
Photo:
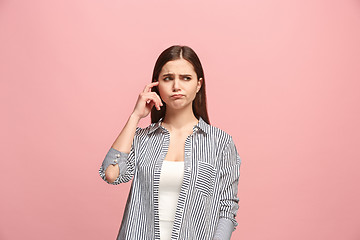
x=208 y=201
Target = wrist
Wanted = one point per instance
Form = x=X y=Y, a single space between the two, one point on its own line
x=134 y=117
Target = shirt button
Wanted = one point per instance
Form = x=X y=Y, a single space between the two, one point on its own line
x=117 y=155
x=115 y=161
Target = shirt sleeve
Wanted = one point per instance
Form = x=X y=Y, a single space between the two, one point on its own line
x=224 y=229
x=229 y=201
x=125 y=162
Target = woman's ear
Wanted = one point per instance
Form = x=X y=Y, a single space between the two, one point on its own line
x=199 y=83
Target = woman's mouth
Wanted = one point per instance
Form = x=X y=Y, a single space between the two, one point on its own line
x=177 y=96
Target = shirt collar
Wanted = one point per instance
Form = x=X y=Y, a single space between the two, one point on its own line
x=201 y=125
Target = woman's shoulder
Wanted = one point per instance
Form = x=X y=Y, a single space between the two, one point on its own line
x=226 y=143
x=222 y=136
x=143 y=131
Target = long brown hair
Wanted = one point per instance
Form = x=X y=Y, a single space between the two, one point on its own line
x=173 y=53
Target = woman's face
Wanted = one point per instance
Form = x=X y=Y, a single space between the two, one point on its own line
x=178 y=83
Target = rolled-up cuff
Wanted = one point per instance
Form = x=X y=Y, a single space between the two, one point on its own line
x=230 y=216
x=114 y=157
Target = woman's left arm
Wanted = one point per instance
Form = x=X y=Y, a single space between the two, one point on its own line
x=229 y=180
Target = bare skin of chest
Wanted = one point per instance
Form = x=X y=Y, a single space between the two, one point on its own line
x=176 y=147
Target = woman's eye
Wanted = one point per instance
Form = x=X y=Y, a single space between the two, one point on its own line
x=187 y=78
x=167 y=78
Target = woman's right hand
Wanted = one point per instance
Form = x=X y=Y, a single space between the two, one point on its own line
x=146 y=100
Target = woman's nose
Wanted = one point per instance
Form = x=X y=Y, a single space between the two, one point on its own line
x=176 y=85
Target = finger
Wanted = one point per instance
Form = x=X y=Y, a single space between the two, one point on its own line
x=158 y=97
x=152 y=99
x=149 y=86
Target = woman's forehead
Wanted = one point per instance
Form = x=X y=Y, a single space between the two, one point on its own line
x=179 y=66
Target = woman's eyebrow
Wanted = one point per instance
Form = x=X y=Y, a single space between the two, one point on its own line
x=169 y=74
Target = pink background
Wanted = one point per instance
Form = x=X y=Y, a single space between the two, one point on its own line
x=282 y=79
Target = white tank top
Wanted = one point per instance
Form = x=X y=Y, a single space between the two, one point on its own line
x=171 y=178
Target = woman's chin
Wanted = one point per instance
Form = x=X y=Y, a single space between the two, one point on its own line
x=176 y=106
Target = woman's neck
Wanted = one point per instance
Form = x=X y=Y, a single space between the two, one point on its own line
x=179 y=119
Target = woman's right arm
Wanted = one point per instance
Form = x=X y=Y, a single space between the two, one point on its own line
x=121 y=153
x=121 y=146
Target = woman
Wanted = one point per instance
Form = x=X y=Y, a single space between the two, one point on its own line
x=185 y=172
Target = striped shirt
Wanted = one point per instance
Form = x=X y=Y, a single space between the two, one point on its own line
x=208 y=201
